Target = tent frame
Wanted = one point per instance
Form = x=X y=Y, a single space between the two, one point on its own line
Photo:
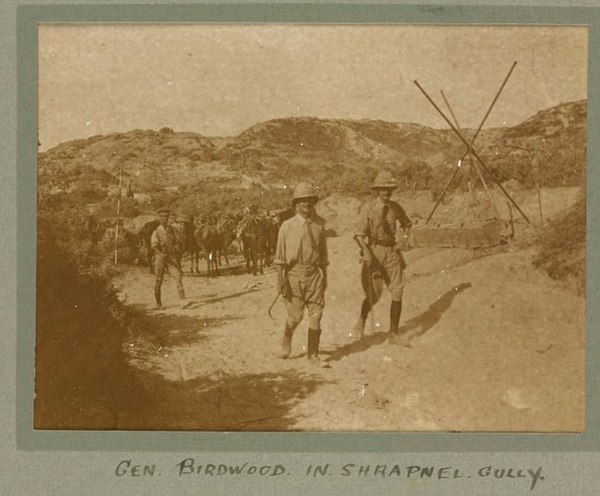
x=471 y=152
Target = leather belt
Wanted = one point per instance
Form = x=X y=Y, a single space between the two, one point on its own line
x=384 y=242
x=305 y=266
x=304 y=269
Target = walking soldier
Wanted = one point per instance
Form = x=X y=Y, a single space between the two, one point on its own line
x=301 y=261
x=377 y=235
x=167 y=245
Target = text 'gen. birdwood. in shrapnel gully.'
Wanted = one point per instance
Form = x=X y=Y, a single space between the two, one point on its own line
x=190 y=467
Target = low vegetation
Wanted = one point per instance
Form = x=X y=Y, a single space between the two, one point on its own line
x=562 y=246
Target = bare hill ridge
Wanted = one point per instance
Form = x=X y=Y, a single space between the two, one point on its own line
x=326 y=151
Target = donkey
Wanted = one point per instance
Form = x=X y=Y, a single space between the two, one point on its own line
x=190 y=244
x=208 y=239
x=251 y=232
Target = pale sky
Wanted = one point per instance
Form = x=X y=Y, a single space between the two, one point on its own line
x=218 y=80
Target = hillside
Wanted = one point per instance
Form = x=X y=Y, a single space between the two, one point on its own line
x=554 y=140
x=352 y=142
x=336 y=155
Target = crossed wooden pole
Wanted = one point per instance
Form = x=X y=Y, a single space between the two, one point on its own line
x=471 y=161
x=470 y=150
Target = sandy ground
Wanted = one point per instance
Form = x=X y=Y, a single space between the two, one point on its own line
x=494 y=346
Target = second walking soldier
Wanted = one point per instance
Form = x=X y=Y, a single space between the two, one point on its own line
x=382 y=259
x=167 y=246
x=301 y=261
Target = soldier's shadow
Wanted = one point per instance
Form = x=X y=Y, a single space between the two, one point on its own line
x=412 y=328
x=430 y=317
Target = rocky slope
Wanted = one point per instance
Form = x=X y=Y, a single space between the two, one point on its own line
x=335 y=154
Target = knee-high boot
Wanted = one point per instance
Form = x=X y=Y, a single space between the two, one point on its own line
x=395 y=312
x=359 y=328
x=314 y=337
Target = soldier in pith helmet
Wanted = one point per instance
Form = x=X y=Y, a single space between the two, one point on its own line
x=301 y=261
x=378 y=236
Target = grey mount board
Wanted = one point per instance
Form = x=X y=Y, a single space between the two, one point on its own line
x=83 y=462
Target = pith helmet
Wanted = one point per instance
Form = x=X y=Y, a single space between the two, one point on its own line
x=384 y=179
x=305 y=190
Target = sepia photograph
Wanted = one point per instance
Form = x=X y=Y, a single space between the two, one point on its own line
x=315 y=228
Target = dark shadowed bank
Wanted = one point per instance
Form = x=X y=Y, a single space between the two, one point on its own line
x=82 y=379
x=562 y=246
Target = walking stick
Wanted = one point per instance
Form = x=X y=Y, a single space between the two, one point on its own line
x=278 y=293
x=273 y=304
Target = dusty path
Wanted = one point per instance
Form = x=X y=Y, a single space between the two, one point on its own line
x=494 y=345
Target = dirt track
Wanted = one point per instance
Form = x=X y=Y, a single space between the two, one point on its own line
x=494 y=346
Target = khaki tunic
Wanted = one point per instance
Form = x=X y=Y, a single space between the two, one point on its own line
x=378 y=223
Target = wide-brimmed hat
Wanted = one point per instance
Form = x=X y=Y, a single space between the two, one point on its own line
x=163 y=210
x=304 y=191
x=384 y=180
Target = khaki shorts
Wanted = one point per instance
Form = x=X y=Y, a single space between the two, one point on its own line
x=161 y=263
x=305 y=289
x=386 y=270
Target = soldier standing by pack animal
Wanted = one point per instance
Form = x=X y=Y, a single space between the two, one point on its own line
x=301 y=261
x=382 y=259
x=167 y=246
